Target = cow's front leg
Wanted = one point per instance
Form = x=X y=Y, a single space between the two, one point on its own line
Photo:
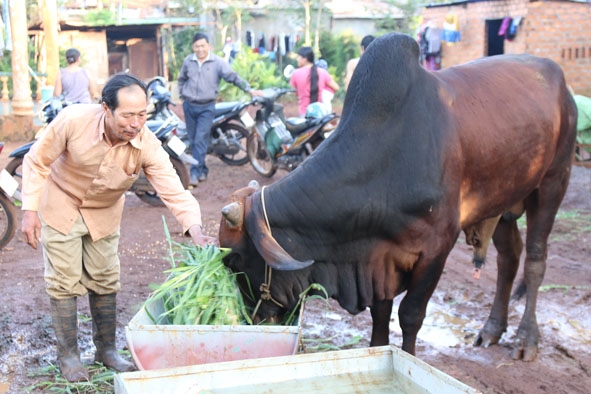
x=380 y=314
x=507 y=241
x=414 y=304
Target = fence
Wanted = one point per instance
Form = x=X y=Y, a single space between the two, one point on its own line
x=37 y=89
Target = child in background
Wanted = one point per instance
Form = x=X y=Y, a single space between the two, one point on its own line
x=328 y=91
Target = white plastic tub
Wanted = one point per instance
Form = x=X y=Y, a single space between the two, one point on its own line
x=155 y=346
x=384 y=369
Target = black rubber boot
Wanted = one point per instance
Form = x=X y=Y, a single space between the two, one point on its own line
x=64 y=318
x=104 y=324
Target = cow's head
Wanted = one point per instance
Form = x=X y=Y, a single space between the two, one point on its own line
x=244 y=230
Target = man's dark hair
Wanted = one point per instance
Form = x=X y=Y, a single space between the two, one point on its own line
x=366 y=41
x=116 y=83
x=200 y=36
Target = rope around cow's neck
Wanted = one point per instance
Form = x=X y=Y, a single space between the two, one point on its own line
x=265 y=287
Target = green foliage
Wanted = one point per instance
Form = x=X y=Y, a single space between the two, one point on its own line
x=258 y=70
x=180 y=42
x=410 y=17
x=100 y=17
x=337 y=50
x=6 y=61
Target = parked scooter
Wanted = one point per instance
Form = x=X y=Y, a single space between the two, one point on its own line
x=8 y=187
x=280 y=143
x=164 y=130
x=229 y=130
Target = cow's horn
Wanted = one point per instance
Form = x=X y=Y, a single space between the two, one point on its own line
x=269 y=248
x=233 y=214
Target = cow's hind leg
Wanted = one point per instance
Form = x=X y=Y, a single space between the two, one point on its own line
x=541 y=208
x=507 y=241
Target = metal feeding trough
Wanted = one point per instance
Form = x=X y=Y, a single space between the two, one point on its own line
x=160 y=345
x=384 y=369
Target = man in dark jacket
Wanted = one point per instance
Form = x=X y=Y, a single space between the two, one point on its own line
x=199 y=82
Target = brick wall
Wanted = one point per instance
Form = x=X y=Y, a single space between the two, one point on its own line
x=559 y=30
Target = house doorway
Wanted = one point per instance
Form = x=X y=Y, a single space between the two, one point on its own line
x=495 y=44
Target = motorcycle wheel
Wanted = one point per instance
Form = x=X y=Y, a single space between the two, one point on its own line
x=152 y=198
x=259 y=156
x=236 y=135
x=15 y=168
x=7 y=220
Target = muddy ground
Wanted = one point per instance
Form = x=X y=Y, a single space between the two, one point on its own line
x=457 y=310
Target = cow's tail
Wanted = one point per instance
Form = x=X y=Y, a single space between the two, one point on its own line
x=519 y=291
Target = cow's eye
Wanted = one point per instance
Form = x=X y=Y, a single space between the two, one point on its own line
x=233 y=261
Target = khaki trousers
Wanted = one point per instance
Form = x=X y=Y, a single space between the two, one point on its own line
x=74 y=264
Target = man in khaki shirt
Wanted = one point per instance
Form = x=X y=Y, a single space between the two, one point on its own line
x=74 y=180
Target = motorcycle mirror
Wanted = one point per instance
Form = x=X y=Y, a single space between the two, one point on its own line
x=288 y=70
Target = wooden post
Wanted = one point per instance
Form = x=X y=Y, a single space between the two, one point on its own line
x=51 y=41
x=22 y=102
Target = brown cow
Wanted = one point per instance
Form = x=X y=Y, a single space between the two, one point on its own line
x=417 y=157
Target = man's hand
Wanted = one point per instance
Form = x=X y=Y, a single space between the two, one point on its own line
x=200 y=239
x=31 y=228
x=256 y=93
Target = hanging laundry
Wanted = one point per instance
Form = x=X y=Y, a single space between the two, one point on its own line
x=262 y=44
x=504 y=26
x=283 y=43
x=451 y=29
x=433 y=36
x=512 y=31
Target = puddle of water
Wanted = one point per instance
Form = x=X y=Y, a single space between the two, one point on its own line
x=444 y=327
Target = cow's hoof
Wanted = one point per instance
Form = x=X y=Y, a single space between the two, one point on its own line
x=485 y=339
x=525 y=353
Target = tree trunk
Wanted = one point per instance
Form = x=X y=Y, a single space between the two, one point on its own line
x=317 y=31
x=22 y=102
x=50 y=29
x=307 y=5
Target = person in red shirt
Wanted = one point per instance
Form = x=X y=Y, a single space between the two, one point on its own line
x=309 y=80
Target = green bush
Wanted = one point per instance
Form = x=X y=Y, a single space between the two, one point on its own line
x=258 y=70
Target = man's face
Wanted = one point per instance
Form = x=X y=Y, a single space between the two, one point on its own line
x=201 y=49
x=125 y=122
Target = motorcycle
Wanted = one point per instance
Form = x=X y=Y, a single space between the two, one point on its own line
x=164 y=130
x=229 y=130
x=8 y=187
x=280 y=143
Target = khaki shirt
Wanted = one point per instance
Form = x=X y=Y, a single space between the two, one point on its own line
x=72 y=169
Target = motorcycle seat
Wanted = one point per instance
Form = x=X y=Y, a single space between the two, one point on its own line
x=224 y=107
x=297 y=125
x=154 y=124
